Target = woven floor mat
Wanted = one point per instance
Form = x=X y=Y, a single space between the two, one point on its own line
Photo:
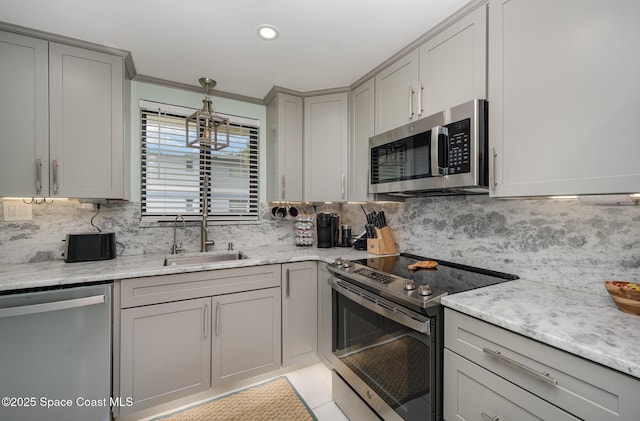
x=275 y=400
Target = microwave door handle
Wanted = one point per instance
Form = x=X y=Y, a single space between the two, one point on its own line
x=439 y=164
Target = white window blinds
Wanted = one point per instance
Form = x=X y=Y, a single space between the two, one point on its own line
x=173 y=174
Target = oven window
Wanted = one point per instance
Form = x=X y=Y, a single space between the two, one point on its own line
x=391 y=359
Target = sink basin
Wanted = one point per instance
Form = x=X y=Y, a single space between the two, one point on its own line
x=203 y=258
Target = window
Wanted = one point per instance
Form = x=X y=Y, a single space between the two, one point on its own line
x=173 y=174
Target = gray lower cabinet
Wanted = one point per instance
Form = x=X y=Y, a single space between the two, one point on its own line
x=165 y=351
x=186 y=333
x=473 y=393
x=246 y=335
x=324 y=315
x=507 y=376
x=299 y=313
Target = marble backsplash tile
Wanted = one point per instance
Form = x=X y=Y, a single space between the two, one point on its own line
x=557 y=242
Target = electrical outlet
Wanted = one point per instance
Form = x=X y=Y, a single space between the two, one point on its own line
x=16 y=210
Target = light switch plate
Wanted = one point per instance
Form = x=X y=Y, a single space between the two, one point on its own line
x=16 y=210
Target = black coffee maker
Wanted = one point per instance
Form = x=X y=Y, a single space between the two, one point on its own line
x=328 y=229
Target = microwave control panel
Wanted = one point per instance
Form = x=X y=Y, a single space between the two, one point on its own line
x=459 y=147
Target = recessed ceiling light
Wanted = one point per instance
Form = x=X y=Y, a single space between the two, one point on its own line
x=268 y=32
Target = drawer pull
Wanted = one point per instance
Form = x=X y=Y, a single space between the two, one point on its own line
x=538 y=375
x=486 y=417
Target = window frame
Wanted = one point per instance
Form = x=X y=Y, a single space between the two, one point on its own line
x=239 y=124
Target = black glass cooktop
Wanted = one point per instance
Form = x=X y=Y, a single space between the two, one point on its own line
x=390 y=277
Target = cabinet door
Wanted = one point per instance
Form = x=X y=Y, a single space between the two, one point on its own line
x=246 y=335
x=396 y=93
x=325 y=316
x=326 y=146
x=453 y=64
x=165 y=352
x=284 y=148
x=562 y=99
x=24 y=116
x=473 y=393
x=86 y=123
x=299 y=313
x=362 y=128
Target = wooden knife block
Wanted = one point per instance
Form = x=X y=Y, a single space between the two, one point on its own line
x=383 y=244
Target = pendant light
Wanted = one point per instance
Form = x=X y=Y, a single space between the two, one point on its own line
x=206 y=124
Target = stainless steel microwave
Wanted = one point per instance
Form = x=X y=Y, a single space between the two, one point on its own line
x=445 y=153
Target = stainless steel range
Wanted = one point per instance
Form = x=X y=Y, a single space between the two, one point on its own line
x=388 y=330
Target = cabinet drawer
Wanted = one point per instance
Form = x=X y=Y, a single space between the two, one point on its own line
x=473 y=393
x=583 y=388
x=166 y=288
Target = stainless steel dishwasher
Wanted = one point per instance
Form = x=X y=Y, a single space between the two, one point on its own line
x=55 y=354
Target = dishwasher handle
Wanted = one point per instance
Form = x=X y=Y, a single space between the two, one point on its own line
x=52 y=306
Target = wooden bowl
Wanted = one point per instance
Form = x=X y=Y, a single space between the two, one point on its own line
x=625 y=295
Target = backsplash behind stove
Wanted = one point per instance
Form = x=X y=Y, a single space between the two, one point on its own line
x=551 y=241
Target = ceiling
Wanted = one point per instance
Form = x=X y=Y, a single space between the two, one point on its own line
x=322 y=44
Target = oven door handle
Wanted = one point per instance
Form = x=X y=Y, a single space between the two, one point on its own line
x=382 y=307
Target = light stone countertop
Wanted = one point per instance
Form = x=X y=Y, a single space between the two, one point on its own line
x=583 y=324
x=57 y=272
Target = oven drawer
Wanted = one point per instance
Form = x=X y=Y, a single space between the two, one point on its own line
x=473 y=393
x=580 y=387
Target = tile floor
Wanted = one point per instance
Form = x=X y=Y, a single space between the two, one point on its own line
x=313 y=383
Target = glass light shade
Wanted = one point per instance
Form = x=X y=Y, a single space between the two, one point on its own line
x=202 y=126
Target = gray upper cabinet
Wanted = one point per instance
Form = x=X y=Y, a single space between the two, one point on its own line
x=361 y=128
x=326 y=139
x=86 y=123
x=563 y=86
x=453 y=64
x=24 y=116
x=284 y=148
x=397 y=92
x=63 y=120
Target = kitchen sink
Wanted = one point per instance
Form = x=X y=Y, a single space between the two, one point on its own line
x=203 y=258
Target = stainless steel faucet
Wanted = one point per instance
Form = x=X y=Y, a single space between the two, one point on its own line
x=205 y=215
x=175 y=248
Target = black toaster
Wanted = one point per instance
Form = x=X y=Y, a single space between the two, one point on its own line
x=89 y=246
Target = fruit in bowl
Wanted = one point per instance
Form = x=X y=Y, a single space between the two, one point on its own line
x=626 y=295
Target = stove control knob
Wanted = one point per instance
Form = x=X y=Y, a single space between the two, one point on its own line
x=338 y=261
x=424 y=289
x=346 y=265
x=409 y=285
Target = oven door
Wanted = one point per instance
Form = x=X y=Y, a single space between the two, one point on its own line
x=386 y=353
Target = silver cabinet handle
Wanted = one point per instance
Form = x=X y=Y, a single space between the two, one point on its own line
x=420 y=109
x=217 y=319
x=282 y=187
x=38 y=175
x=206 y=319
x=411 y=92
x=54 y=169
x=342 y=187
x=52 y=306
x=494 y=155
x=287 y=278
x=486 y=417
x=538 y=375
